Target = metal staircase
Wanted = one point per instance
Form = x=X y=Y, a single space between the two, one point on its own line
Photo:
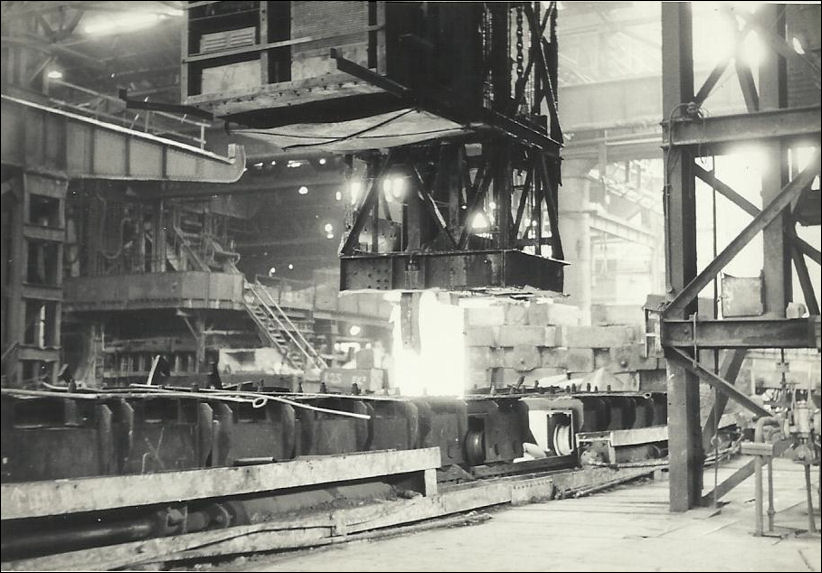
x=279 y=330
x=194 y=249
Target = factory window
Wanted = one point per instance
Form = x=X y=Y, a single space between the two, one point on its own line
x=42 y=267
x=41 y=323
x=44 y=211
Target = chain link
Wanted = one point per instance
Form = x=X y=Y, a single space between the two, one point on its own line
x=520 y=57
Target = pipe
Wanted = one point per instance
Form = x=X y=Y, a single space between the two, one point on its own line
x=808 y=492
x=77 y=537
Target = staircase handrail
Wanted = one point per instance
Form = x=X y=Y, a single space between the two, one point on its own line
x=283 y=349
x=302 y=344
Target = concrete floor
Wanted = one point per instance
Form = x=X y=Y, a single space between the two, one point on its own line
x=627 y=528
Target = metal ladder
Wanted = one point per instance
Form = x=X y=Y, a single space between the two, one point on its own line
x=279 y=330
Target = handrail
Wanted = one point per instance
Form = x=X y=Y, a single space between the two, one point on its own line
x=171 y=118
x=271 y=314
x=302 y=344
x=282 y=348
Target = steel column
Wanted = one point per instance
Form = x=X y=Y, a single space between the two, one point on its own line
x=773 y=94
x=684 y=444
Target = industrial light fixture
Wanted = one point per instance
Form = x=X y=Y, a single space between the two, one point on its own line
x=753 y=49
x=303 y=190
x=329 y=228
x=355 y=188
x=394 y=188
x=292 y=163
x=480 y=222
x=796 y=42
x=355 y=330
x=338 y=195
x=322 y=161
x=290 y=267
x=398 y=188
x=54 y=75
x=271 y=271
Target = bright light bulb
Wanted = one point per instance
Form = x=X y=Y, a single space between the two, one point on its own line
x=355 y=188
x=492 y=205
x=355 y=330
x=480 y=222
x=55 y=75
x=753 y=50
x=398 y=188
x=290 y=267
x=329 y=228
x=797 y=45
x=338 y=195
x=303 y=190
x=322 y=160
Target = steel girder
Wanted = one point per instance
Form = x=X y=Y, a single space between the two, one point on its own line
x=39 y=138
x=450 y=270
x=706 y=132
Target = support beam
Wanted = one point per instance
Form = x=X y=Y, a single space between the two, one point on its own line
x=739 y=333
x=711 y=81
x=746 y=80
x=740 y=201
x=771 y=124
x=684 y=443
x=739 y=476
x=450 y=270
x=54 y=142
x=729 y=370
x=805 y=281
x=773 y=94
x=714 y=380
x=782 y=200
x=368 y=203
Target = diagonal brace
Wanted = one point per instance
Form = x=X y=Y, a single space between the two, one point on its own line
x=768 y=214
x=740 y=475
x=729 y=370
x=714 y=380
x=371 y=197
x=729 y=193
